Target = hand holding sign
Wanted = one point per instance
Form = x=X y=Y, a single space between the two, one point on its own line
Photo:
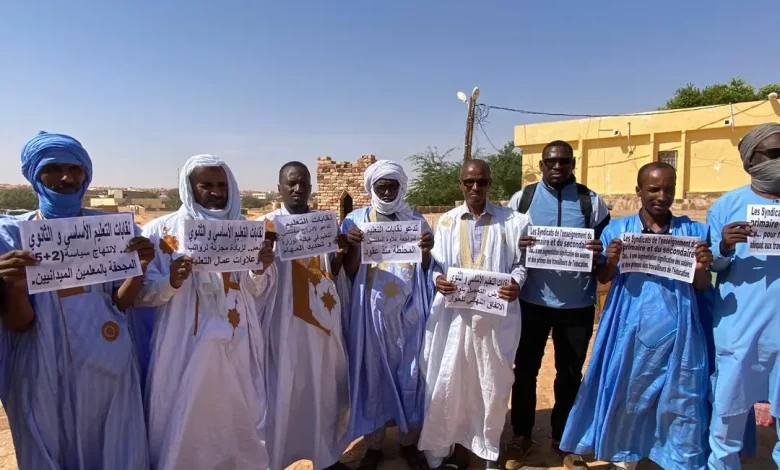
x=509 y=292
x=145 y=249
x=266 y=255
x=733 y=233
x=354 y=236
x=614 y=250
x=703 y=256
x=526 y=241
x=444 y=286
x=181 y=268
x=596 y=246
x=13 y=267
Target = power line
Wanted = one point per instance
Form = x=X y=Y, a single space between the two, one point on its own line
x=487 y=107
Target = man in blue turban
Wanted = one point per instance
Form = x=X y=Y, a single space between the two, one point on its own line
x=68 y=372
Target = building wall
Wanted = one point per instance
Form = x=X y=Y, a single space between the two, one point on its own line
x=609 y=151
x=338 y=180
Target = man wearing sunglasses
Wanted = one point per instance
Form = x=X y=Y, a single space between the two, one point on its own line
x=746 y=314
x=560 y=301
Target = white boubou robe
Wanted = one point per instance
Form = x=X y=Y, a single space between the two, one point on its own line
x=468 y=355
x=308 y=380
x=205 y=392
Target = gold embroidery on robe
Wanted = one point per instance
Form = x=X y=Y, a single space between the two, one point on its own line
x=307 y=272
x=468 y=261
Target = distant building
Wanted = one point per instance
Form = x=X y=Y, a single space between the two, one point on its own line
x=119 y=197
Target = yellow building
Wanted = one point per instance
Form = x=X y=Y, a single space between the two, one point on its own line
x=700 y=142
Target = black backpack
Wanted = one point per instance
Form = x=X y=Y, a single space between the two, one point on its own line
x=586 y=205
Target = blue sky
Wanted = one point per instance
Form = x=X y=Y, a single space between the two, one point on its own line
x=144 y=85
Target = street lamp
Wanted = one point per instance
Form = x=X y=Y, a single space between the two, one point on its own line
x=472 y=103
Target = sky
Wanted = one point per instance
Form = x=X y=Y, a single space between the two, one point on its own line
x=145 y=85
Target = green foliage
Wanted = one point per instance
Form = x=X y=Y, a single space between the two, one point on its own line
x=174 y=201
x=506 y=168
x=251 y=202
x=18 y=198
x=738 y=90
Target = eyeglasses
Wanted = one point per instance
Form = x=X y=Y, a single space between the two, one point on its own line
x=552 y=162
x=471 y=182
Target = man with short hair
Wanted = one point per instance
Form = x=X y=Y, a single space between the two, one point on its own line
x=205 y=391
x=746 y=313
x=307 y=365
x=551 y=300
x=645 y=391
x=389 y=305
x=467 y=357
x=68 y=375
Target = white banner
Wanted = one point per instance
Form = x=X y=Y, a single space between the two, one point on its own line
x=662 y=255
x=560 y=249
x=306 y=235
x=79 y=251
x=765 y=222
x=391 y=242
x=224 y=245
x=477 y=290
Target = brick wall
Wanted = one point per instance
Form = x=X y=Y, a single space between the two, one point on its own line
x=338 y=180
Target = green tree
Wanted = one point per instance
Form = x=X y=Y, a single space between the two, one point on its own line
x=737 y=90
x=436 y=183
x=174 y=201
x=251 y=202
x=18 y=198
x=506 y=168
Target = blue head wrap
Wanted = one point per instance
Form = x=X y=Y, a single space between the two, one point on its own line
x=43 y=150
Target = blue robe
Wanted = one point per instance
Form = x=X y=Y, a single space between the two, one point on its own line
x=388 y=309
x=72 y=396
x=645 y=389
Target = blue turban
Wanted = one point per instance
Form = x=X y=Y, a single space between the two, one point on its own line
x=43 y=150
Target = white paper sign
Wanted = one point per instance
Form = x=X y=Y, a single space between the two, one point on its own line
x=79 y=251
x=223 y=245
x=560 y=249
x=662 y=255
x=391 y=242
x=306 y=235
x=765 y=221
x=477 y=290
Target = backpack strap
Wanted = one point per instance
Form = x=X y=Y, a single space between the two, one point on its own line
x=526 y=198
x=586 y=204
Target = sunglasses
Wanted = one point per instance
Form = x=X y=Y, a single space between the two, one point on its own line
x=551 y=162
x=471 y=182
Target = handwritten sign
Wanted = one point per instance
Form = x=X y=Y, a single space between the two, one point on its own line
x=662 y=255
x=391 y=242
x=79 y=251
x=560 y=249
x=306 y=235
x=224 y=246
x=765 y=222
x=477 y=290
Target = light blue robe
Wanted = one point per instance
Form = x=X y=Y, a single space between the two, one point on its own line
x=746 y=321
x=645 y=389
x=389 y=307
x=73 y=398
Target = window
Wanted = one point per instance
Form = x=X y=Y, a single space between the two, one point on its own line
x=668 y=156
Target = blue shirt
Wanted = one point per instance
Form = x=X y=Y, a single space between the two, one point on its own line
x=561 y=208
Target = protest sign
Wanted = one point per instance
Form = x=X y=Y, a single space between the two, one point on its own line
x=765 y=224
x=662 y=255
x=306 y=235
x=477 y=290
x=391 y=242
x=560 y=249
x=79 y=251
x=224 y=245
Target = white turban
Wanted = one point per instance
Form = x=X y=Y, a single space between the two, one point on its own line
x=191 y=209
x=388 y=169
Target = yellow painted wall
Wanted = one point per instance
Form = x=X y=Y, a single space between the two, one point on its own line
x=707 y=157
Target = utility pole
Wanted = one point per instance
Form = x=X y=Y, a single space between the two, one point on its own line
x=472 y=103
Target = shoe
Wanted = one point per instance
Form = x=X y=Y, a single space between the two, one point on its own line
x=517 y=451
x=371 y=460
x=491 y=465
x=457 y=461
x=414 y=458
x=570 y=461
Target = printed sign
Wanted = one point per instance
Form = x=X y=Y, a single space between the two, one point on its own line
x=662 y=255
x=224 y=245
x=765 y=223
x=79 y=251
x=391 y=242
x=560 y=249
x=306 y=235
x=477 y=290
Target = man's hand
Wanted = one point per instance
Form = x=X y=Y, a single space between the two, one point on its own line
x=596 y=247
x=181 y=268
x=525 y=241
x=509 y=292
x=426 y=243
x=354 y=236
x=145 y=250
x=343 y=243
x=444 y=286
x=614 y=250
x=266 y=254
x=703 y=256
x=733 y=233
x=13 y=268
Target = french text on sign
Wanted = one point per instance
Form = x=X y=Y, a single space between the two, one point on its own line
x=477 y=290
x=224 y=245
x=662 y=255
x=79 y=251
x=560 y=249
x=765 y=224
x=306 y=235
x=391 y=242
